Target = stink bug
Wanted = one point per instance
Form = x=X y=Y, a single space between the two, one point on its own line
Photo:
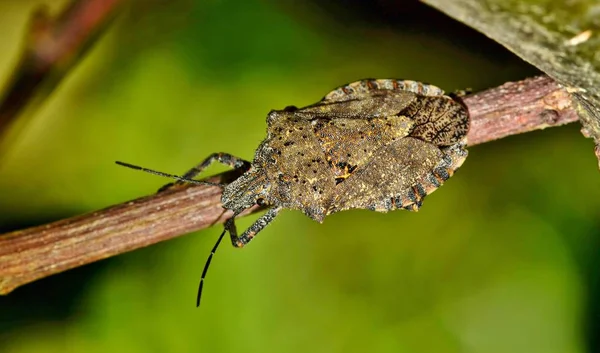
x=372 y=144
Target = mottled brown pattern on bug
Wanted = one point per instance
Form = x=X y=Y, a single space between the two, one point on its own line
x=365 y=145
x=372 y=144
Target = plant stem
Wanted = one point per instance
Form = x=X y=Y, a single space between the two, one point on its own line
x=33 y=253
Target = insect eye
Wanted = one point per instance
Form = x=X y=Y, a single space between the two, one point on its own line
x=290 y=108
x=260 y=201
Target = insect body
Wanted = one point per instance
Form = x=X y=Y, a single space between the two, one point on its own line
x=372 y=144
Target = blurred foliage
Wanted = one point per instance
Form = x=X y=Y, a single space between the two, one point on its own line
x=502 y=258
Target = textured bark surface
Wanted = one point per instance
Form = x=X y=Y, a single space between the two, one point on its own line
x=518 y=107
x=557 y=37
x=34 y=253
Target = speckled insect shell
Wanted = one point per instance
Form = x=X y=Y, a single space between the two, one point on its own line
x=372 y=144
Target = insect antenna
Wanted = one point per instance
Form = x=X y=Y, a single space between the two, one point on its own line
x=167 y=175
x=212 y=253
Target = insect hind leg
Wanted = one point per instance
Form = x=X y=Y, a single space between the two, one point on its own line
x=253 y=230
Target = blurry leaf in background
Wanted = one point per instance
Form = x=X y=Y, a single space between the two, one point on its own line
x=558 y=37
x=52 y=44
x=501 y=258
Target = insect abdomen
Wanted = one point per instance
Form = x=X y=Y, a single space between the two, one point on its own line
x=367 y=85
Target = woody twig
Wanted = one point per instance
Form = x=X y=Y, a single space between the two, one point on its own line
x=30 y=254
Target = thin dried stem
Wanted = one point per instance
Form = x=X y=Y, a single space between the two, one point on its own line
x=34 y=253
x=518 y=107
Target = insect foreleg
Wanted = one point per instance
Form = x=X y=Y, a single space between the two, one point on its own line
x=223 y=158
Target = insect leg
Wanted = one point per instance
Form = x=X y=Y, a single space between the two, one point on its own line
x=253 y=230
x=221 y=157
x=238 y=242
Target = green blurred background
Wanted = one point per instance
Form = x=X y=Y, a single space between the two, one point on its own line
x=501 y=259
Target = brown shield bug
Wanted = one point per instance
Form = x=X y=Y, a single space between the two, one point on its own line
x=377 y=144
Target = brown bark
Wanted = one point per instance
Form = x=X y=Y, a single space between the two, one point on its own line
x=518 y=107
x=34 y=253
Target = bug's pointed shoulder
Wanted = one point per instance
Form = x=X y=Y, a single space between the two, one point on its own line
x=368 y=86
